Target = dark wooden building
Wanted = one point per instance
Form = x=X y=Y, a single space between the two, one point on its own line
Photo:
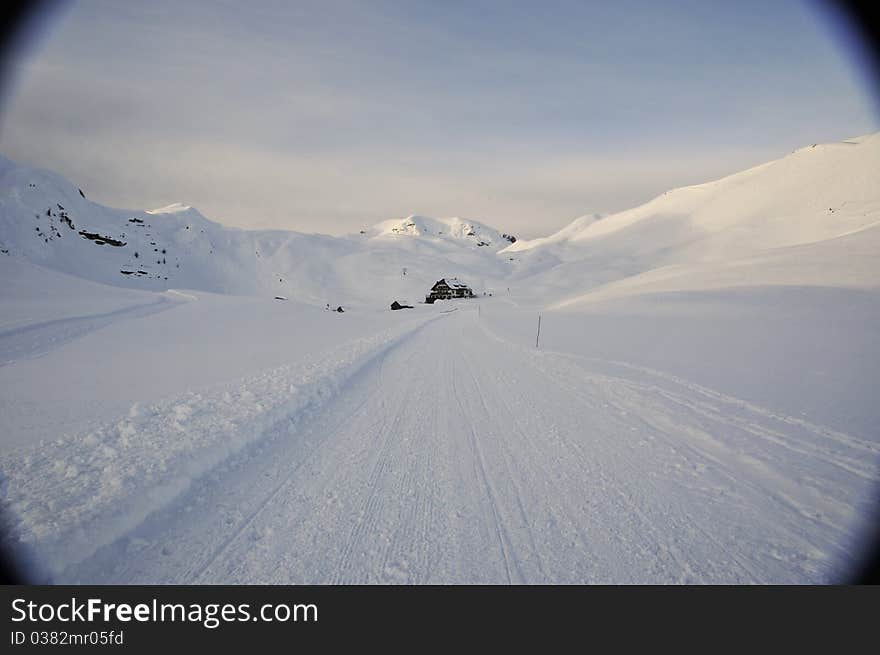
x=448 y=288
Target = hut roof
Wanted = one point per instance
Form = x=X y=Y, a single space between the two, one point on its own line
x=452 y=283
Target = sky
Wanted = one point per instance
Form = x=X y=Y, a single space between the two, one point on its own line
x=332 y=115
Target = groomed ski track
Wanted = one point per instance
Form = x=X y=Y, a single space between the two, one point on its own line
x=455 y=456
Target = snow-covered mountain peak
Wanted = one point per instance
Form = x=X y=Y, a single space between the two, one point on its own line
x=48 y=221
x=815 y=193
x=451 y=228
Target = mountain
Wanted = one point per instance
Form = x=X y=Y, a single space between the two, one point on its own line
x=471 y=232
x=773 y=223
x=783 y=210
x=50 y=222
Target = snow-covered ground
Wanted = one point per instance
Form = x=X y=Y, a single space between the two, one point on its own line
x=701 y=407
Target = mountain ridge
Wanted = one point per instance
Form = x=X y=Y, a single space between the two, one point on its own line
x=812 y=195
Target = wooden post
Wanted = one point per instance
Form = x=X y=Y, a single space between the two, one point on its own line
x=538 y=336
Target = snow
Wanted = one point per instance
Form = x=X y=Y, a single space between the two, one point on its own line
x=521 y=466
x=59 y=297
x=422 y=226
x=173 y=208
x=701 y=407
x=45 y=220
x=132 y=466
x=454 y=283
x=814 y=193
x=153 y=348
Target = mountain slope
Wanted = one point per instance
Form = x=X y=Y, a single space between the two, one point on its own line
x=49 y=222
x=815 y=193
x=812 y=196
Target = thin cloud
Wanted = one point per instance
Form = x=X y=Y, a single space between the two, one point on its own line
x=328 y=116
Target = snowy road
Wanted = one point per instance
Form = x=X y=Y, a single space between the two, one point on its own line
x=457 y=457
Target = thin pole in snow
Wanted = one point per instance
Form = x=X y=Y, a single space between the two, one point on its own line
x=538 y=336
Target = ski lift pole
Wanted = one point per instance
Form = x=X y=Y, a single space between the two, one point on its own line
x=538 y=336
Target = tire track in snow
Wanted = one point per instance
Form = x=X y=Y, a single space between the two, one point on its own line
x=372 y=507
x=560 y=495
x=407 y=558
x=38 y=339
x=285 y=439
x=384 y=488
x=524 y=517
x=635 y=412
x=642 y=408
x=315 y=449
x=239 y=530
x=480 y=469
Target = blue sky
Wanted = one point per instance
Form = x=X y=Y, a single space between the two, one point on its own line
x=328 y=116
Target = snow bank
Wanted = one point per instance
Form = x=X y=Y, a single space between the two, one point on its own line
x=68 y=497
